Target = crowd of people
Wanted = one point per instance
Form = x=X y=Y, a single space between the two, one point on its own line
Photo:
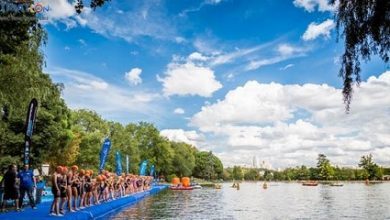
x=72 y=189
x=75 y=189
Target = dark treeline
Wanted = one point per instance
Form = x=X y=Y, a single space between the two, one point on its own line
x=324 y=170
x=65 y=137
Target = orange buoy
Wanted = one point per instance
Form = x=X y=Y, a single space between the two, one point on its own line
x=175 y=181
x=185 y=181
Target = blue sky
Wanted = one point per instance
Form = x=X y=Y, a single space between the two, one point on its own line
x=181 y=64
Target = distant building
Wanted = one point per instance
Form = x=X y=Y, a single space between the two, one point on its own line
x=254 y=162
x=386 y=177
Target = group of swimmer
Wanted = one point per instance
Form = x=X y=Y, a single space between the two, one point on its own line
x=76 y=189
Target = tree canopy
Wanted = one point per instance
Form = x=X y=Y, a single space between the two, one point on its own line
x=365 y=26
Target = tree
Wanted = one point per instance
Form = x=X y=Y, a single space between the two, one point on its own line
x=184 y=159
x=251 y=174
x=325 y=169
x=366 y=29
x=207 y=166
x=372 y=170
x=237 y=173
x=21 y=79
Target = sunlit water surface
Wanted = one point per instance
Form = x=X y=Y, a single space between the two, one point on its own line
x=279 y=201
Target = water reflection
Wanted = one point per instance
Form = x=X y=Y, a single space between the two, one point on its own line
x=279 y=201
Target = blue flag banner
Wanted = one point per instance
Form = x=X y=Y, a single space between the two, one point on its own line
x=151 y=171
x=118 y=163
x=127 y=164
x=104 y=153
x=30 y=121
x=142 y=169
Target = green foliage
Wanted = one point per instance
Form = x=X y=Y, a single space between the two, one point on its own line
x=325 y=169
x=366 y=29
x=207 y=166
x=184 y=159
x=170 y=177
x=251 y=174
x=237 y=173
x=372 y=170
x=6 y=161
x=21 y=79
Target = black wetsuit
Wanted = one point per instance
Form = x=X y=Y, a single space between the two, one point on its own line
x=88 y=184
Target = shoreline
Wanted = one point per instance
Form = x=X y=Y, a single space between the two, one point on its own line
x=93 y=212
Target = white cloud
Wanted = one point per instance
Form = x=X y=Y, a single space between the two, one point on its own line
x=189 y=78
x=180 y=135
x=144 y=19
x=311 y=5
x=59 y=9
x=197 y=56
x=179 y=111
x=200 y=6
x=84 y=90
x=284 y=52
x=134 y=76
x=289 y=125
x=315 y=30
x=287 y=66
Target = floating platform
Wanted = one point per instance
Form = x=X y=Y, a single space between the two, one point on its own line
x=93 y=212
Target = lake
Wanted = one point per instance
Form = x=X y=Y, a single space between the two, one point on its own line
x=279 y=201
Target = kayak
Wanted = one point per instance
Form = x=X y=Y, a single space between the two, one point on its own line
x=310 y=184
x=181 y=188
x=336 y=184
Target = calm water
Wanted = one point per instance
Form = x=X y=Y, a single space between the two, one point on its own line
x=279 y=201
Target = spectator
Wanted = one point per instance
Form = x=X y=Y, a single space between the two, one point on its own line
x=10 y=187
x=41 y=185
x=27 y=184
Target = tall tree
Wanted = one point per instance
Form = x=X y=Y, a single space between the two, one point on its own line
x=365 y=25
x=325 y=169
x=21 y=79
x=237 y=173
x=372 y=170
x=184 y=159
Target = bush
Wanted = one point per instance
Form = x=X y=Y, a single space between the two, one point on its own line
x=170 y=177
x=5 y=161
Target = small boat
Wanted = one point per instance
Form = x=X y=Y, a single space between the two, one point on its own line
x=181 y=188
x=336 y=184
x=218 y=186
x=310 y=183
